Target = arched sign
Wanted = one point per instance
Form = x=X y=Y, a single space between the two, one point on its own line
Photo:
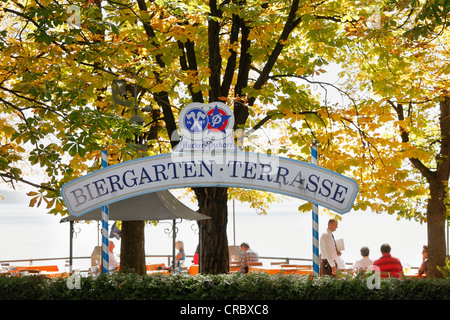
x=205 y=158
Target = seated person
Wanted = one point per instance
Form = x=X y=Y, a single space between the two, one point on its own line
x=113 y=261
x=247 y=256
x=363 y=263
x=387 y=263
x=423 y=266
x=179 y=258
x=196 y=257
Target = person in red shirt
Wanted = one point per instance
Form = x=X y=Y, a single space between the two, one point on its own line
x=388 y=263
x=196 y=256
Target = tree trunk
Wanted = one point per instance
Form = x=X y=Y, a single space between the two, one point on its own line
x=214 y=250
x=436 y=209
x=436 y=212
x=132 y=249
x=437 y=180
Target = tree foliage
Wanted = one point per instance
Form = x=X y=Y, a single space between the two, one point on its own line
x=58 y=73
x=76 y=78
x=394 y=130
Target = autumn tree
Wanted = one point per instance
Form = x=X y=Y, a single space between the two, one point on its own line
x=60 y=62
x=393 y=131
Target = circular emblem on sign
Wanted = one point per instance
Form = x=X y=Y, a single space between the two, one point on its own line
x=196 y=120
x=206 y=127
x=217 y=120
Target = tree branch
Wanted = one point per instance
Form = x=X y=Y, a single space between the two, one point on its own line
x=215 y=60
x=162 y=98
x=268 y=117
x=12 y=178
x=231 y=63
x=188 y=62
x=291 y=23
x=404 y=134
x=321 y=83
x=241 y=109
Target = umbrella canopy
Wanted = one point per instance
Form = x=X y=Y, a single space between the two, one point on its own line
x=160 y=205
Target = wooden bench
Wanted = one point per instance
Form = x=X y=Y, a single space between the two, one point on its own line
x=296 y=266
x=155 y=266
x=36 y=269
x=27 y=270
x=251 y=263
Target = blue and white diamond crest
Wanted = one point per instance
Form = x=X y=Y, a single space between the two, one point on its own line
x=206 y=127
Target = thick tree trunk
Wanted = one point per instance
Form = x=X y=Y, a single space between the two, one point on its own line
x=214 y=250
x=437 y=180
x=132 y=249
x=436 y=212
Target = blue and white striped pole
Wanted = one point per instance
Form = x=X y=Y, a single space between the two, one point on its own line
x=315 y=218
x=105 y=222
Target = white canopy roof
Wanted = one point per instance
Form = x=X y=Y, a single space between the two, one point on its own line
x=160 y=205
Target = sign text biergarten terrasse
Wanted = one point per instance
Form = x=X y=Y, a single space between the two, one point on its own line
x=206 y=156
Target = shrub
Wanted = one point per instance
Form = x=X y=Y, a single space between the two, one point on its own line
x=445 y=269
x=253 y=286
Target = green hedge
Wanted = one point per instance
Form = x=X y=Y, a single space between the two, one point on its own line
x=254 y=286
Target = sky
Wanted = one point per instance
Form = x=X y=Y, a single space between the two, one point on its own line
x=31 y=233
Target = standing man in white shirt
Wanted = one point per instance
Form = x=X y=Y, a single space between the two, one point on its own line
x=328 y=250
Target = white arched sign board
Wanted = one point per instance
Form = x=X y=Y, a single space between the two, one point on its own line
x=196 y=164
x=231 y=169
